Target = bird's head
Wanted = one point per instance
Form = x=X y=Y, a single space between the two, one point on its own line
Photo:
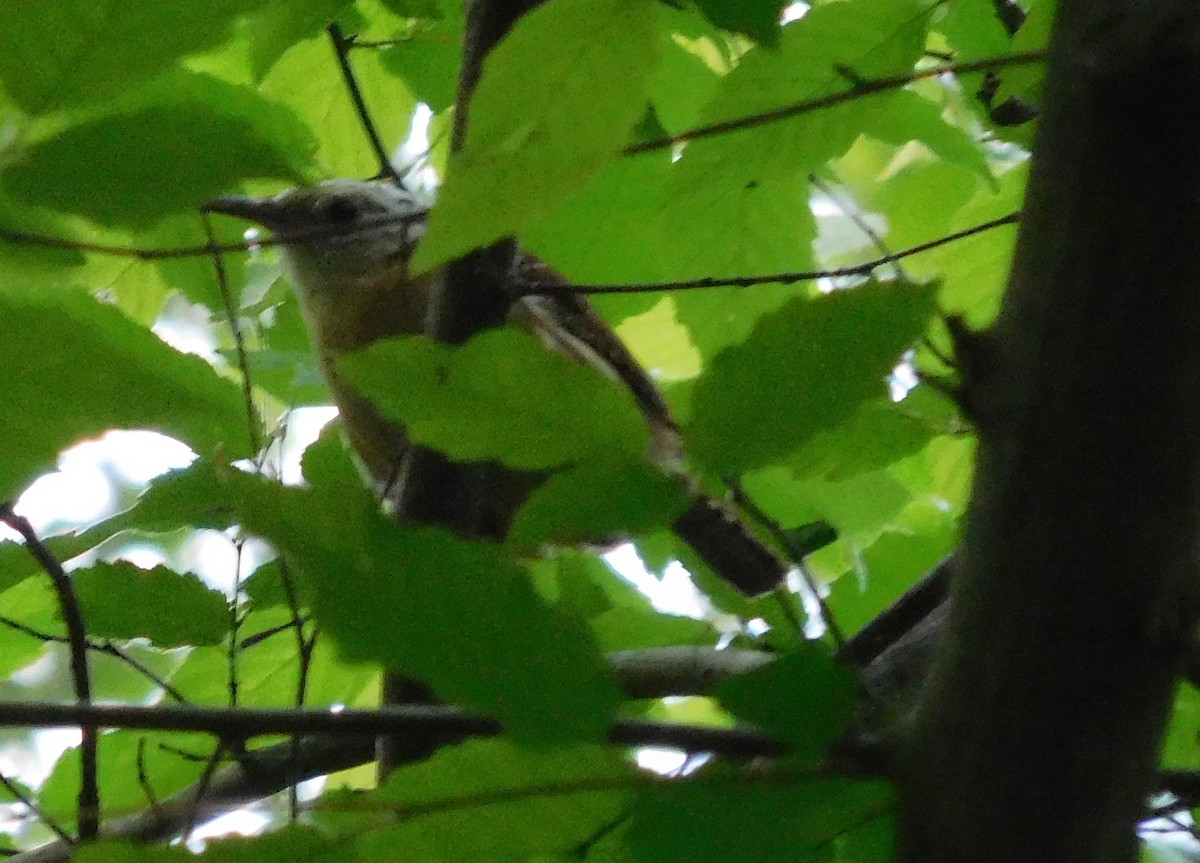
x=336 y=234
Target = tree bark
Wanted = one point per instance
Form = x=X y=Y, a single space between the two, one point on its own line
x=1075 y=588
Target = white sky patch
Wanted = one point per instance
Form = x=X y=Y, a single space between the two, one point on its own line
x=674 y=594
x=81 y=490
x=794 y=12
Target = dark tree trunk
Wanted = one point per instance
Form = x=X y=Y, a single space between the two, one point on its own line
x=1036 y=738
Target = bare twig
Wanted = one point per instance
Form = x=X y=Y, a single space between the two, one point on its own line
x=144 y=778
x=24 y=238
x=341 y=49
x=794 y=552
x=72 y=614
x=36 y=811
x=436 y=723
x=863 y=269
x=851 y=212
x=105 y=647
x=233 y=317
x=858 y=89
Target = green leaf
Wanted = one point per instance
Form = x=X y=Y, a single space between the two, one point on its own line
x=919 y=201
x=911 y=117
x=188 y=497
x=34 y=603
x=693 y=58
x=804 y=698
x=430 y=605
x=609 y=231
x=890 y=566
x=974 y=270
x=758 y=19
x=879 y=433
x=831 y=354
x=159 y=756
x=308 y=81
x=557 y=100
x=598 y=501
x=72 y=52
x=858 y=507
x=1181 y=747
x=106 y=372
x=497 y=801
x=207 y=136
x=873 y=842
x=428 y=59
x=280 y=24
x=719 y=815
x=123 y=601
x=1026 y=80
x=973 y=30
x=293 y=843
x=737 y=197
x=502 y=396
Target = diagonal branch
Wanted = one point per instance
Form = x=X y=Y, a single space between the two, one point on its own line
x=859 y=88
x=77 y=645
x=342 y=45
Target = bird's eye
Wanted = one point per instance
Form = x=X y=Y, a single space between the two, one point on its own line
x=341 y=210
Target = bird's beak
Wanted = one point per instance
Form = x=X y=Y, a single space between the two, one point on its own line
x=268 y=212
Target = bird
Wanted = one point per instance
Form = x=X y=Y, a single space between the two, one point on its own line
x=347 y=246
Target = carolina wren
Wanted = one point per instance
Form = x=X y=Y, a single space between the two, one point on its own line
x=346 y=247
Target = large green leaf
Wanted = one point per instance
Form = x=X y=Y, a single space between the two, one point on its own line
x=493 y=800
x=805 y=698
x=738 y=196
x=803 y=369
x=72 y=52
x=974 y=270
x=502 y=397
x=307 y=80
x=171 y=609
x=557 y=100
x=428 y=57
x=161 y=149
x=430 y=605
x=912 y=117
x=85 y=368
x=720 y=816
x=758 y=19
x=597 y=501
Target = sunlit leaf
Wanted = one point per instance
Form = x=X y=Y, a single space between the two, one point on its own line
x=557 y=100
x=108 y=373
x=830 y=355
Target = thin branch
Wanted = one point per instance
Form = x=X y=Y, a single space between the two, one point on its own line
x=260 y=637
x=858 y=89
x=254 y=777
x=36 y=811
x=529 y=288
x=304 y=648
x=24 y=238
x=851 y=212
x=104 y=647
x=72 y=615
x=436 y=723
x=795 y=553
x=233 y=318
x=863 y=269
x=341 y=49
x=235 y=620
x=144 y=778
x=203 y=787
